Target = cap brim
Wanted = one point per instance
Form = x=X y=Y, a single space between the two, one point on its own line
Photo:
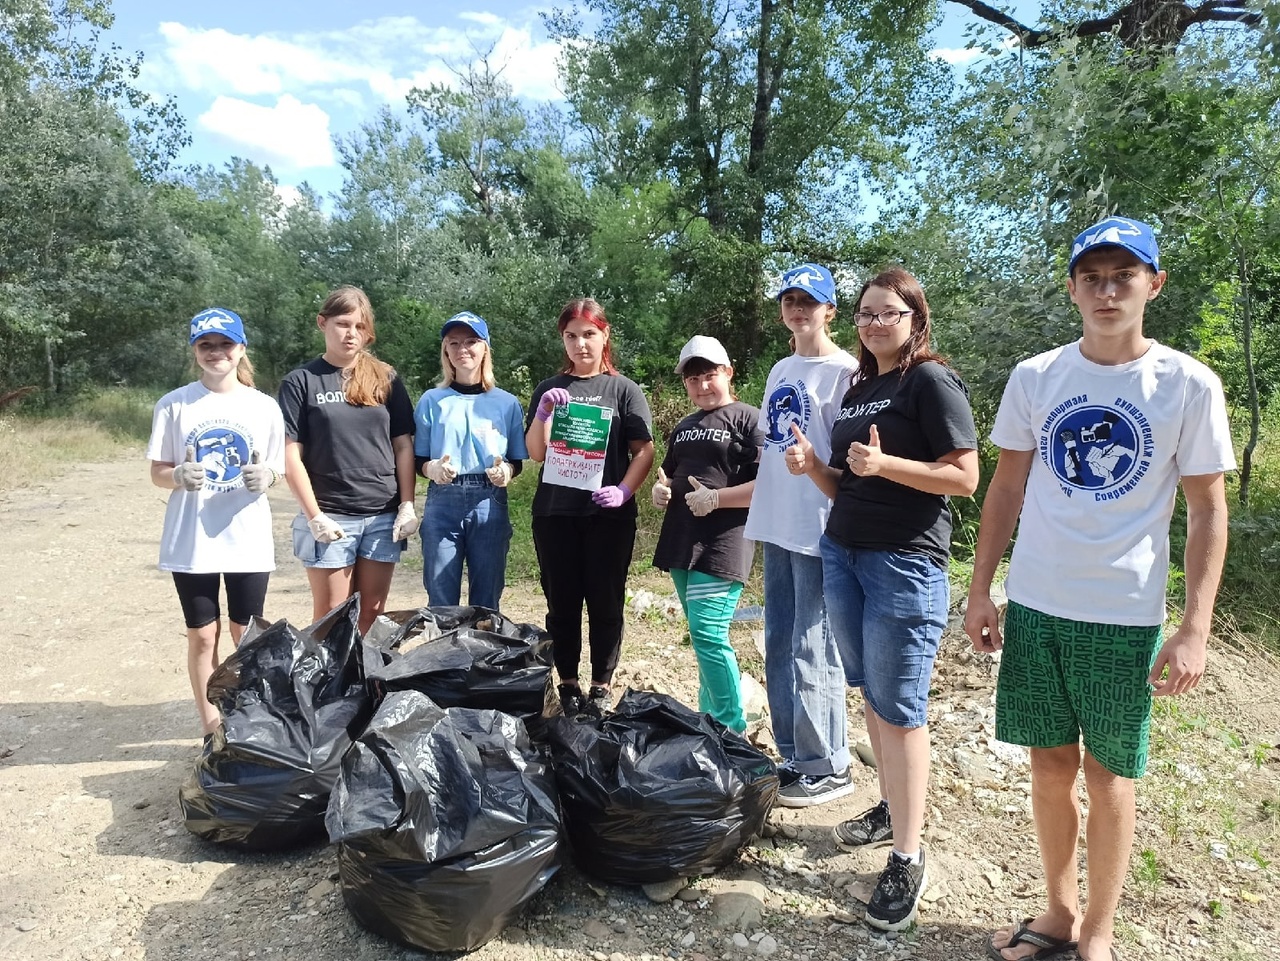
x=1142 y=255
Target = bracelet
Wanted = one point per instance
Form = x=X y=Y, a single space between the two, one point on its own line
x=274 y=477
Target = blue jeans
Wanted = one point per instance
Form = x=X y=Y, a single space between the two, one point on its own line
x=803 y=676
x=465 y=521
x=709 y=603
x=888 y=610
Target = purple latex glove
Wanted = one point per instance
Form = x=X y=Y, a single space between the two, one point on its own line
x=611 y=496
x=555 y=397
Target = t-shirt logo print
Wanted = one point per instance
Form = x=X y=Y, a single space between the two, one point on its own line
x=1098 y=449
x=222 y=449
x=787 y=405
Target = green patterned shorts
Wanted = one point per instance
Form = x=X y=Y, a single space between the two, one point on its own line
x=1062 y=679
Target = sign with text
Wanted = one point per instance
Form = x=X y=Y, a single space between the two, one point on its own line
x=576 y=448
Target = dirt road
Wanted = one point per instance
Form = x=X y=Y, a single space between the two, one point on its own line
x=97 y=731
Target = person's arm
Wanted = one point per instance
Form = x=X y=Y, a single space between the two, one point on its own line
x=406 y=473
x=162 y=475
x=1000 y=511
x=642 y=454
x=1183 y=654
x=299 y=481
x=801 y=459
x=737 y=496
x=954 y=474
x=535 y=438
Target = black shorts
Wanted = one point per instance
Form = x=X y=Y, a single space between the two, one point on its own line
x=198 y=594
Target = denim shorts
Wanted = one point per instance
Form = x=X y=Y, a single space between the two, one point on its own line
x=368 y=537
x=887 y=611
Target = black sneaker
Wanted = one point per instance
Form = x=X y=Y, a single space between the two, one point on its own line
x=599 y=703
x=868 y=827
x=810 y=789
x=571 y=701
x=897 y=895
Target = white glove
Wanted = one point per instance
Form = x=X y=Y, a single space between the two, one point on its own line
x=441 y=471
x=325 y=529
x=701 y=500
x=257 y=475
x=189 y=475
x=500 y=473
x=406 y=522
x=661 y=492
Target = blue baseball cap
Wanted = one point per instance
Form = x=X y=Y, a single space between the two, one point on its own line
x=813 y=280
x=218 y=320
x=1131 y=235
x=469 y=320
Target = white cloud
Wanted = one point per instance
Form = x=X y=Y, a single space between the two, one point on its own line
x=218 y=62
x=956 y=56
x=530 y=65
x=389 y=56
x=292 y=133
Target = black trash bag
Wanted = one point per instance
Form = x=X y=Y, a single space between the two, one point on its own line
x=474 y=657
x=657 y=791
x=292 y=702
x=446 y=823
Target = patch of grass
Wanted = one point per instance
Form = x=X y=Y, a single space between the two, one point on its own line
x=1147 y=874
x=92 y=428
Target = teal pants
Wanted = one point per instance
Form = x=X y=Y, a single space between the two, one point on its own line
x=709 y=603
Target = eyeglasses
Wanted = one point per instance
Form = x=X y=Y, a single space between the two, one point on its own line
x=887 y=318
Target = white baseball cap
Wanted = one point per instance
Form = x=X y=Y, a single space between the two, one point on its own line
x=705 y=348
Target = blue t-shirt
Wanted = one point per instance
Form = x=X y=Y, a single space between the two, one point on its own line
x=472 y=428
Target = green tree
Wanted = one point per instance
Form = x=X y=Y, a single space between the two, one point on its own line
x=755 y=114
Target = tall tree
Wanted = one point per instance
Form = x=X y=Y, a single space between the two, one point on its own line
x=753 y=111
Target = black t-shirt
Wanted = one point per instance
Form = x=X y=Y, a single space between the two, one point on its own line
x=631 y=419
x=346 y=449
x=920 y=416
x=699 y=447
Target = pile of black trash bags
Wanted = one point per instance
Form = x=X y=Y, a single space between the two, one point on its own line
x=433 y=753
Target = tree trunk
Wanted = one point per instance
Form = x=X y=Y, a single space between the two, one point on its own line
x=1246 y=341
x=48 y=360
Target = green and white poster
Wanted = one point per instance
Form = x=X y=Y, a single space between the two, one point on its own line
x=576 y=448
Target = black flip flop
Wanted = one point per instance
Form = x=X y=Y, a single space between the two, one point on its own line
x=1049 y=946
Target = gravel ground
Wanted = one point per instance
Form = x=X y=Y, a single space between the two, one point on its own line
x=97 y=732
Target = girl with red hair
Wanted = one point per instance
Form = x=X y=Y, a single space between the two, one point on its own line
x=584 y=539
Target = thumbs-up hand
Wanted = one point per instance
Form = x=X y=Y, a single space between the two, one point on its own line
x=701 y=500
x=257 y=475
x=441 y=471
x=661 y=492
x=866 y=460
x=799 y=456
x=189 y=475
x=500 y=473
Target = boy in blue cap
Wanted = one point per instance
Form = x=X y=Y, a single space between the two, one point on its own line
x=1095 y=438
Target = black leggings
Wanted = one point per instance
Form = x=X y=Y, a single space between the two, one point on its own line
x=198 y=594
x=585 y=559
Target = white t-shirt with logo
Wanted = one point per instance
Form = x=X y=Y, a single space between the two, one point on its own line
x=223 y=527
x=1112 y=443
x=789 y=510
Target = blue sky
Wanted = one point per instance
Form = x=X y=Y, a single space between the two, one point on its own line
x=274 y=80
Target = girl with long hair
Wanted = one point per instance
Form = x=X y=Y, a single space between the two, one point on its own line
x=469 y=444
x=584 y=539
x=802 y=669
x=217 y=444
x=349 y=456
x=903 y=443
